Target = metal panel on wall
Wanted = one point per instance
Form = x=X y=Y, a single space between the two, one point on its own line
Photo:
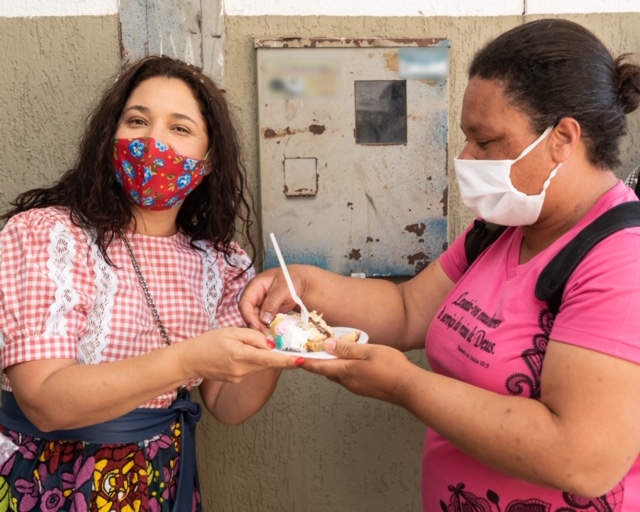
x=353 y=152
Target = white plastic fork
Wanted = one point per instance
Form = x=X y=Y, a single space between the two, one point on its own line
x=304 y=312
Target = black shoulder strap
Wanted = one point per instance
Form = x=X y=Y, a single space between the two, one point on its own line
x=553 y=277
x=479 y=237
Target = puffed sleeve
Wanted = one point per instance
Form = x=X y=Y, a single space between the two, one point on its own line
x=46 y=286
x=234 y=281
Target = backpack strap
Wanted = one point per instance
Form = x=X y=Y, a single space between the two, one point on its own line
x=479 y=237
x=553 y=278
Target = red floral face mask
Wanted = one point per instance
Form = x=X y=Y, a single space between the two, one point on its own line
x=153 y=175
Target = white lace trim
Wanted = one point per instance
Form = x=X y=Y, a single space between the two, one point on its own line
x=212 y=282
x=2 y=342
x=242 y=261
x=61 y=250
x=91 y=345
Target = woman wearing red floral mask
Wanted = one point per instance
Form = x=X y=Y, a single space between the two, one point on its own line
x=119 y=289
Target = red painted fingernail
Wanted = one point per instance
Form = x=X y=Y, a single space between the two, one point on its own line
x=270 y=343
x=299 y=361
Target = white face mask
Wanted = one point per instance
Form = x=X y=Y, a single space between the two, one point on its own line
x=486 y=188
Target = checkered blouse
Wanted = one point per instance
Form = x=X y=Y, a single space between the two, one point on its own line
x=60 y=299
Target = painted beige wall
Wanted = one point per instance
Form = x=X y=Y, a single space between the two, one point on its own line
x=314 y=447
x=51 y=71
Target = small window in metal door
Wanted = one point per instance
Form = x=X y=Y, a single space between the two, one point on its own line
x=381 y=111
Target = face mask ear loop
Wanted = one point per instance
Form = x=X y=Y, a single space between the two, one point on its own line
x=531 y=146
x=545 y=185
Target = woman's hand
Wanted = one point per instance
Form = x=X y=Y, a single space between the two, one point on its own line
x=230 y=354
x=266 y=295
x=374 y=371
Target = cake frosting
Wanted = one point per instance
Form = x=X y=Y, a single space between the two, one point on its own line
x=289 y=332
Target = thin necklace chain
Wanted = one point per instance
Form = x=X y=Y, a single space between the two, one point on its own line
x=145 y=289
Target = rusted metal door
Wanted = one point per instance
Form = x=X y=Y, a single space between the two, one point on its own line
x=353 y=152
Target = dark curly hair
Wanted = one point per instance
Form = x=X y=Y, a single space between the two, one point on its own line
x=555 y=68
x=218 y=209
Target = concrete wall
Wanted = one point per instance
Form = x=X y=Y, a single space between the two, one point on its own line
x=314 y=447
x=52 y=71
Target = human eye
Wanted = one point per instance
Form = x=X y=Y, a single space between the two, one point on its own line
x=135 y=121
x=182 y=129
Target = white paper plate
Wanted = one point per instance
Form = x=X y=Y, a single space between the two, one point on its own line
x=338 y=331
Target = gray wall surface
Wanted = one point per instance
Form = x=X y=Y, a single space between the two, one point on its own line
x=53 y=70
x=314 y=447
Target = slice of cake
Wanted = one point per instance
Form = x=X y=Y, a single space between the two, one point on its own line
x=290 y=333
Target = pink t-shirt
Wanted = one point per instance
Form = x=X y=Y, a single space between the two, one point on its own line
x=492 y=332
x=60 y=299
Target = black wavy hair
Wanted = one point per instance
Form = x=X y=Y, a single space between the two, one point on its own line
x=555 y=68
x=217 y=210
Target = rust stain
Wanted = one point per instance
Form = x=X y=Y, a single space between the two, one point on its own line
x=421 y=265
x=317 y=129
x=333 y=42
x=355 y=255
x=419 y=256
x=391 y=60
x=418 y=229
x=445 y=202
x=431 y=41
x=270 y=133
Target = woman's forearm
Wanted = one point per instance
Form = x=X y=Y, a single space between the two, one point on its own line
x=61 y=394
x=237 y=402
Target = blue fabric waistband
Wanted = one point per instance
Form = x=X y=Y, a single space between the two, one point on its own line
x=133 y=427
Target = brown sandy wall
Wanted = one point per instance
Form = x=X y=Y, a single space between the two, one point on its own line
x=51 y=71
x=315 y=447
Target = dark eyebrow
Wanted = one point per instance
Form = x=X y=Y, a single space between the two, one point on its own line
x=183 y=116
x=147 y=111
x=141 y=108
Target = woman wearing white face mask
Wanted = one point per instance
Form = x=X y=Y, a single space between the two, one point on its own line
x=525 y=411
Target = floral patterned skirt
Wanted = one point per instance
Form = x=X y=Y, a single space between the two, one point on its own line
x=74 y=476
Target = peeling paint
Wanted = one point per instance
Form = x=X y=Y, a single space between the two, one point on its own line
x=421 y=265
x=270 y=133
x=418 y=229
x=391 y=61
x=355 y=255
x=333 y=42
x=445 y=202
x=419 y=256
